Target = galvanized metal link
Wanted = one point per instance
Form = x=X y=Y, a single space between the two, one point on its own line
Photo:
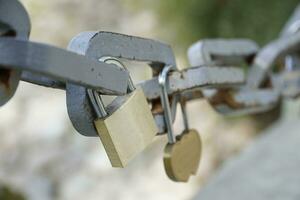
x=16 y=26
x=62 y=65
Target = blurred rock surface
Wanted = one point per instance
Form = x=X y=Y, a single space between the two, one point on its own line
x=267 y=169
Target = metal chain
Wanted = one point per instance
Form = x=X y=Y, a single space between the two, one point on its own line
x=216 y=73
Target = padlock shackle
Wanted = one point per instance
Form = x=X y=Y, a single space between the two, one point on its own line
x=98 y=107
x=95 y=97
x=168 y=115
x=117 y=62
x=184 y=114
x=163 y=81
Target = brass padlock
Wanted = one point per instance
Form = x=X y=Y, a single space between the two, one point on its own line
x=182 y=153
x=126 y=126
x=181 y=159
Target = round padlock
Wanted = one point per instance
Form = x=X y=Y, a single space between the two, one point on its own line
x=182 y=153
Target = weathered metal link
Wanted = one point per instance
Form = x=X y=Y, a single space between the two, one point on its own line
x=195 y=78
x=15 y=18
x=235 y=100
x=222 y=52
x=247 y=100
x=101 y=44
x=62 y=65
x=128 y=47
x=15 y=23
x=267 y=57
x=287 y=82
x=189 y=82
x=287 y=46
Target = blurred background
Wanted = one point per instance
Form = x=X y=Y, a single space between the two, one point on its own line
x=41 y=154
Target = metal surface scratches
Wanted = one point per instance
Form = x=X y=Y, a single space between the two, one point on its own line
x=62 y=65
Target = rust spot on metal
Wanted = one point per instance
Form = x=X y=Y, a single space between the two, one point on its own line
x=156 y=68
x=250 y=58
x=9 y=33
x=4 y=77
x=5 y=74
x=225 y=97
x=156 y=106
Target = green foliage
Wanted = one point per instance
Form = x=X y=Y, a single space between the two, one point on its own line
x=186 y=21
x=7 y=194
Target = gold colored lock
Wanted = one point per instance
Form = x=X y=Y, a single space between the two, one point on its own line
x=182 y=158
x=182 y=153
x=126 y=126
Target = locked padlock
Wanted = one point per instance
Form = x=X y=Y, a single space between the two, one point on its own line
x=96 y=45
x=126 y=126
x=182 y=153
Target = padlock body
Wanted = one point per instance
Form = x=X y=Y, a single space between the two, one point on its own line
x=128 y=129
x=181 y=159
